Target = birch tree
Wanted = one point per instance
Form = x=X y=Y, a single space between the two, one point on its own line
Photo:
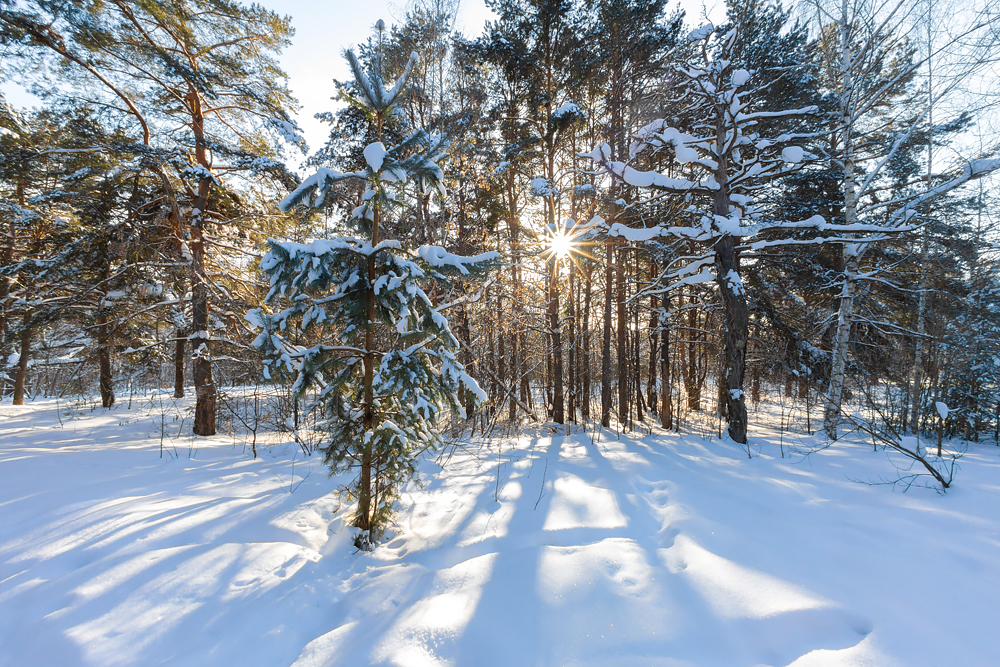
x=867 y=64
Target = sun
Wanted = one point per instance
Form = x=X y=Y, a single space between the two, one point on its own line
x=561 y=245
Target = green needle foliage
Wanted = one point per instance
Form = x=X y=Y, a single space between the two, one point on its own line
x=384 y=367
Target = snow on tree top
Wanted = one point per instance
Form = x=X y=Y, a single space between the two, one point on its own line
x=645 y=179
x=375 y=155
x=290 y=132
x=634 y=235
x=701 y=33
x=568 y=108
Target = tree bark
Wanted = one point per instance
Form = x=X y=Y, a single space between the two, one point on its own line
x=558 y=415
x=624 y=409
x=845 y=317
x=585 y=353
x=692 y=384
x=736 y=329
x=831 y=411
x=606 y=343
x=106 y=381
x=204 y=411
x=363 y=520
x=571 y=353
x=666 y=400
x=5 y=260
x=22 y=362
x=654 y=342
x=179 y=345
x=736 y=316
x=920 y=343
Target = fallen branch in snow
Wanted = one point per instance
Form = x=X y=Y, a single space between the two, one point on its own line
x=891 y=439
x=944 y=478
x=542 y=489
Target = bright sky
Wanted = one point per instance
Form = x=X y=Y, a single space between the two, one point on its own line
x=324 y=28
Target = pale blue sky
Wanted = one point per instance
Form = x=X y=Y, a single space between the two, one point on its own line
x=323 y=29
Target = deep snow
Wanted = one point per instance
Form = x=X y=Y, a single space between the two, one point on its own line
x=663 y=550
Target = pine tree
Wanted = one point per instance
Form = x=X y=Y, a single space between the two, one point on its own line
x=725 y=157
x=386 y=368
x=221 y=107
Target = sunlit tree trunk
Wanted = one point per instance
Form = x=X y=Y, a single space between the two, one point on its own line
x=845 y=316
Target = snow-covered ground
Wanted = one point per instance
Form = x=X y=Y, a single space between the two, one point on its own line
x=548 y=550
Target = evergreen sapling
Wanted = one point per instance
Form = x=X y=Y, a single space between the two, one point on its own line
x=384 y=368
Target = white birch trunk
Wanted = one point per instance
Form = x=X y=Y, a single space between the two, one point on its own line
x=920 y=344
x=831 y=413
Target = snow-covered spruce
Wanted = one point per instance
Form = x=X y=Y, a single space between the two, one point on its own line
x=382 y=364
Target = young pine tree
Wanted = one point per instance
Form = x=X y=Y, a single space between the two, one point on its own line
x=384 y=368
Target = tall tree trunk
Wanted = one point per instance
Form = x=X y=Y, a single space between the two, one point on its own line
x=845 y=316
x=574 y=339
x=501 y=361
x=204 y=411
x=106 y=382
x=920 y=344
x=6 y=258
x=637 y=371
x=734 y=299
x=22 y=362
x=585 y=353
x=736 y=329
x=624 y=409
x=692 y=384
x=512 y=406
x=463 y=330
x=363 y=520
x=180 y=343
x=666 y=400
x=526 y=396
x=606 y=343
x=105 y=379
x=555 y=328
x=654 y=342
x=831 y=411
x=466 y=359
